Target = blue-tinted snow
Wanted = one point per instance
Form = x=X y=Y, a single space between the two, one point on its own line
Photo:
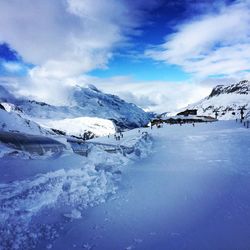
x=192 y=192
x=38 y=196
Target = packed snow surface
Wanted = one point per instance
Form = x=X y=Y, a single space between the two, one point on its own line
x=191 y=192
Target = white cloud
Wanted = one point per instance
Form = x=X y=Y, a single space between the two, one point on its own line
x=67 y=38
x=157 y=96
x=64 y=38
x=213 y=44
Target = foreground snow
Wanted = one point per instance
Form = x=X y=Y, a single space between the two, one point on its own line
x=191 y=193
x=33 y=190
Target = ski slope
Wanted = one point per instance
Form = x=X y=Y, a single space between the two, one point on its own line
x=191 y=193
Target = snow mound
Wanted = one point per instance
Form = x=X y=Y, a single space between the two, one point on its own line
x=22 y=200
x=79 y=126
x=65 y=192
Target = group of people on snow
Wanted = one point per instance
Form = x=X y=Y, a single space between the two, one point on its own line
x=118 y=136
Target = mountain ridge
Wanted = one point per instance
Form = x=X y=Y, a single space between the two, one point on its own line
x=226 y=100
x=85 y=102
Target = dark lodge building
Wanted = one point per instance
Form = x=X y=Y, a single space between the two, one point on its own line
x=188 y=112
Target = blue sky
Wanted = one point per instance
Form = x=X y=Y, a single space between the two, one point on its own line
x=159 y=21
x=128 y=60
x=141 y=70
x=172 y=43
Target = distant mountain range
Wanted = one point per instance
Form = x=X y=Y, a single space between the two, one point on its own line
x=226 y=101
x=93 y=113
x=90 y=111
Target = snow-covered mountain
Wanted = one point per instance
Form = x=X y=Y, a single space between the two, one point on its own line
x=226 y=100
x=89 y=110
x=13 y=122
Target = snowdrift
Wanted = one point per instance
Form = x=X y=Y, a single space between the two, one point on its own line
x=75 y=183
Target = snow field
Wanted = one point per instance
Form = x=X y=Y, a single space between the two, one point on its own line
x=67 y=191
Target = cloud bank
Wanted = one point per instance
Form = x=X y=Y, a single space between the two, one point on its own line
x=60 y=41
x=155 y=96
x=214 y=44
x=64 y=38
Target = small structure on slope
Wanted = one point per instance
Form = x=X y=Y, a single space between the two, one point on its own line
x=188 y=112
x=181 y=119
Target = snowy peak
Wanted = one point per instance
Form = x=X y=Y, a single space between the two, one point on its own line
x=84 y=95
x=242 y=88
x=93 y=102
x=90 y=110
x=92 y=87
